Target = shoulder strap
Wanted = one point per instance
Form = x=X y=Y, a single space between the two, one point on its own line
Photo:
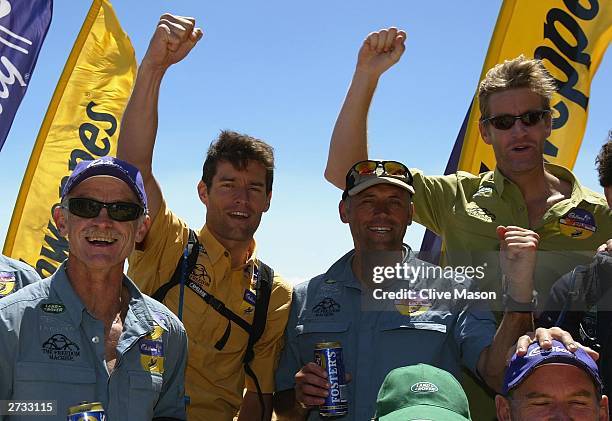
x=592 y=281
x=193 y=249
x=575 y=291
x=262 y=301
x=264 y=289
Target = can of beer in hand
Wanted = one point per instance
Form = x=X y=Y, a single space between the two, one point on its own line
x=86 y=411
x=329 y=356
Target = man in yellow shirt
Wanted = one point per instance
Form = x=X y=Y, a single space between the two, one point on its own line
x=236 y=188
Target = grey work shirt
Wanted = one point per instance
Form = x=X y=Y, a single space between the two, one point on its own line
x=51 y=348
x=336 y=307
x=14 y=275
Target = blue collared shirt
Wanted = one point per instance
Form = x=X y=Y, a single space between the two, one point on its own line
x=52 y=348
x=335 y=306
x=14 y=275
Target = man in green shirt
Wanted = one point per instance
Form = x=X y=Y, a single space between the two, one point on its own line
x=465 y=209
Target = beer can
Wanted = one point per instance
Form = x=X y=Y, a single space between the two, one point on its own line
x=86 y=411
x=329 y=356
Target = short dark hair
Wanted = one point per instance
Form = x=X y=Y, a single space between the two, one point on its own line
x=238 y=149
x=604 y=163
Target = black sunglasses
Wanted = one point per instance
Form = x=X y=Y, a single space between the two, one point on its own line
x=506 y=121
x=118 y=211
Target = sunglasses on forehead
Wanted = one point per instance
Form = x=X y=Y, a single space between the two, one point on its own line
x=506 y=121
x=117 y=211
x=371 y=167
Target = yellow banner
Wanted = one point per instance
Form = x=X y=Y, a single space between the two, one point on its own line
x=570 y=36
x=82 y=122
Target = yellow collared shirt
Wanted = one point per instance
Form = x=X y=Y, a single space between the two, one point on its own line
x=215 y=379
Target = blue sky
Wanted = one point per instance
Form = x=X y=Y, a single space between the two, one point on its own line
x=279 y=71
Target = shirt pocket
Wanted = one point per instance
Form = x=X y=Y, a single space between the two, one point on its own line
x=143 y=394
x=396 y=330
x=66 y=384
x=310 y=333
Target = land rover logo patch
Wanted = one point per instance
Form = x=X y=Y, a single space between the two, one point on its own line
x=424 y=387
x=53 y=308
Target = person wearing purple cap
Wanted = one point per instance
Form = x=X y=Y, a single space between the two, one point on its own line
x=552 y=384
x=87 y=333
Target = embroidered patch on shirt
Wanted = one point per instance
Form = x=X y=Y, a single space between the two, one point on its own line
x=480 y=213
x=152 y=351
x=7 y=283
x=53 y=308
x=249 y=296
x=413 y=307
x=60 y=347
x=483 y=191
x=577 y=223
x=327 y=307
x=248 y=301
x=200 y=275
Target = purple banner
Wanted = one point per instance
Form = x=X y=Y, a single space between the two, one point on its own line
x=23 y=27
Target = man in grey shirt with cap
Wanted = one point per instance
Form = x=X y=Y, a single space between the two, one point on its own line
x=87 y=333
x=404 y=319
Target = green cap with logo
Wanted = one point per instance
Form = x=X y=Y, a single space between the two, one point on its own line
x=421 y=392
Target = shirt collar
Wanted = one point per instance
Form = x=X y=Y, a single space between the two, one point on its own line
x=216 y=250
x=62 y=287
x=144 y=321
x=60 y=284
x=578 y=192
x=342 y=270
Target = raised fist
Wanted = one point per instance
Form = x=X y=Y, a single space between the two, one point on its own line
x=381 y=50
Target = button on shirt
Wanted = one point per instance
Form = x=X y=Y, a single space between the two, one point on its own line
x=52 y=349
x=14 y=275
x=335 y=307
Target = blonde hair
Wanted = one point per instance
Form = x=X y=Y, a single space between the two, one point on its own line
x=519 y=72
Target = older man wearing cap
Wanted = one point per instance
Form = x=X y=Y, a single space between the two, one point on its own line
x=87 y=333
x=417 y=316
x=552 y=384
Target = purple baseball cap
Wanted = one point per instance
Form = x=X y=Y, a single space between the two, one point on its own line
x=521 y=367
x=112 y=167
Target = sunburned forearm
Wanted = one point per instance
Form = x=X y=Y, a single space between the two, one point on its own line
x=349 y=138
x=492 y=362
x=139 y=122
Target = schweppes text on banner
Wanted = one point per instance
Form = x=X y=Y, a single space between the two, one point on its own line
x=82 y=123
x=570 y=36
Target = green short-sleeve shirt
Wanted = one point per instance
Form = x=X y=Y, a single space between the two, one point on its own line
x=465 y=210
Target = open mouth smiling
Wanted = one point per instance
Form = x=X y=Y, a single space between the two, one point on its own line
x=239 y=215
x=100 y=240
x=380 y=229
